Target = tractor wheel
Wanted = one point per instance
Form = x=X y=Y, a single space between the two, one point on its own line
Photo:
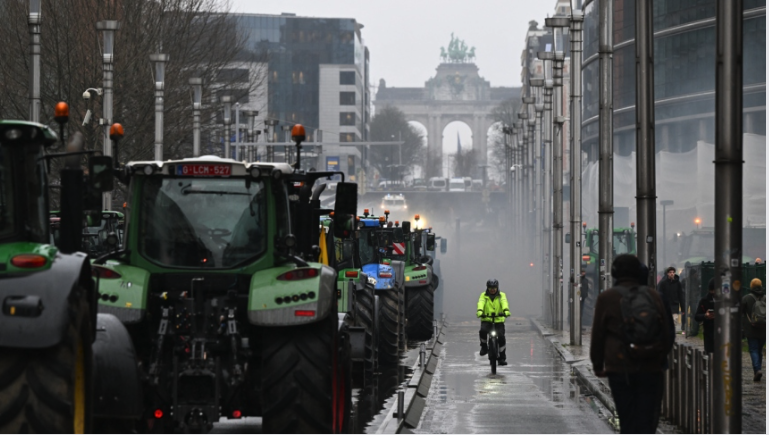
x=403 y=336
x=306 y=384
x=419 y=311
x=50 y=390
x=365 y=317
x=388 y=329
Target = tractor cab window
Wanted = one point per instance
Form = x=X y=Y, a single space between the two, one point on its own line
x=6 y=193
x=622 y=243
x=203 y=223
x=367 y=247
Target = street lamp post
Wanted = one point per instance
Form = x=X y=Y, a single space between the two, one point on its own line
x=665 y=203
x=286 y=149
x=159 y=62
x=237 y=131
x=548 y=266
x=227 y=101
x=34 y=20
x=270 y=148
x=727 y=389
x=575 y=202
x=606 y=144
x=108 y=29
x=197 y=98
x=557 y=23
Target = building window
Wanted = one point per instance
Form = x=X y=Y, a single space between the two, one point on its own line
x=232 y=75
x=346 y=77
x=347 y=118
x=347 y=137
x=347 y=98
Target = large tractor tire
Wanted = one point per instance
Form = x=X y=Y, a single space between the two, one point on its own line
x=419 y=311
x=50 y=390
x=388 y=329
x=306 y=386
x=403 y=321
x=365 y=316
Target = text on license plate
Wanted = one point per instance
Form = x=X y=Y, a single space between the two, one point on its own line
x=204 y=170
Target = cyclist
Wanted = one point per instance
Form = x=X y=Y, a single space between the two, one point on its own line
x=493 y=301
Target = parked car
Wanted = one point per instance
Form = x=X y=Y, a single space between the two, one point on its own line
x=457 y=185
x=437 y=183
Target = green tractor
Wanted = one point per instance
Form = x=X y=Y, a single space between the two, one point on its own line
x=97 y=226
x=624 y=243
x=420 y=280
x=355 y=292
x=63 y=367
x=219 y=286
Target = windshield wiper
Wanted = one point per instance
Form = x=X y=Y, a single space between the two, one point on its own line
x=213 y=192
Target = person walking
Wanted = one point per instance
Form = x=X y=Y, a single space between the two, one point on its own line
x=671 y=287
x=753 y=309
x=629 y=344
x=585 y=293
x=706 y=314
x=493 y=301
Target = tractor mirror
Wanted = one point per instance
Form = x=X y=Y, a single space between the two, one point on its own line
x=406 y=227
x=568 y=238
x=430 y=246
x=444 y=245
x=100 y=173
x=346 y=199
x=342 y=225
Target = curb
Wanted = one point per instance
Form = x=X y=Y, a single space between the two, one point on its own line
x=415 y=394
x=583 y=372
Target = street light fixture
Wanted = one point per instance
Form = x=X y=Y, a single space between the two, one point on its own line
x=197 y=100
x=107 y=29
x=159 y=74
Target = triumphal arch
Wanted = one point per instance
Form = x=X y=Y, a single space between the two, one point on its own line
x=456 y=93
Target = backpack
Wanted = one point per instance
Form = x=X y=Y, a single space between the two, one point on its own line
x=758 y=313
x=643 y=324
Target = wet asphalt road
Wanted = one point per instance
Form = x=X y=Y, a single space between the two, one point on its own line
x=534 y=393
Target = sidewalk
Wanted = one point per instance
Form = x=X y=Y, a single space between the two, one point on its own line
x=753 y=393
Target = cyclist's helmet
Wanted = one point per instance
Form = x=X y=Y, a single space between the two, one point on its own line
x=492 y=283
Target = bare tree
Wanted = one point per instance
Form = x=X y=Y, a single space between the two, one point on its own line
x=200 y=38
x=390 y=125
x=504 y=114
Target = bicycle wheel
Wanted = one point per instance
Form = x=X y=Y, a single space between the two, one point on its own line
x=493 y=351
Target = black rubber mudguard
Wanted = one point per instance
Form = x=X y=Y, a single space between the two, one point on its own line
x=117 y=386
x=53 y=287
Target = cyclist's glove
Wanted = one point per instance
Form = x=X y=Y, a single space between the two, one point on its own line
x=479 y=314
x=507 y=313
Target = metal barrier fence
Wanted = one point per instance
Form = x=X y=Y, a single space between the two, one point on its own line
x=688 y=398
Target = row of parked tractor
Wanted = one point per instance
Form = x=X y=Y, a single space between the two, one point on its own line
x=224 y=290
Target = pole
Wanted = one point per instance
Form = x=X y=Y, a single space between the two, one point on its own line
x=237 y=132
x=646 y=193
x=197 y=92
x=727 y=388
x=108 y=29
x=606 y=144
x=538 y=209
x=558 y=188
x=227 y=119
x=158 y=63
x=575 y=202
x=34 y=20
x=547 y=179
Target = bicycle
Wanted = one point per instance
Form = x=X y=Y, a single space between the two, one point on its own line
x=493 y=345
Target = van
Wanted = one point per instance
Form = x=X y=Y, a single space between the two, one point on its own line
x=436 y=183
x=457 y=185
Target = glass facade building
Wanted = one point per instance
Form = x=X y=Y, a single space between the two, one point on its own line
x=684 y=74
x=295 y=48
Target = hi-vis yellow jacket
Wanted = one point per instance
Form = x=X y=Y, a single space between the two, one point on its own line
x=487 y=306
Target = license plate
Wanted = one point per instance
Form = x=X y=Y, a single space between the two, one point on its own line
x=203 y=170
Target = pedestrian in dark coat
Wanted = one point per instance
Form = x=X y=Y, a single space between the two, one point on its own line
x=585 y=290
x=636 y=385
x=671 y=287
x=706 y=314
x=754 y=331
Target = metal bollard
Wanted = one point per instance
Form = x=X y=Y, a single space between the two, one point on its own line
x=710 y=394
x=666 y=393
x=435 y=330
x=674 y=390
x=401 y=403
x=687 y=389
x=422 y=361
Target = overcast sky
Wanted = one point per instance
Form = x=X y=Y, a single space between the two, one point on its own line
x=405 y=36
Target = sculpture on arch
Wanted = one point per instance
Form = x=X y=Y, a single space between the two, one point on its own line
x=457 y=52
